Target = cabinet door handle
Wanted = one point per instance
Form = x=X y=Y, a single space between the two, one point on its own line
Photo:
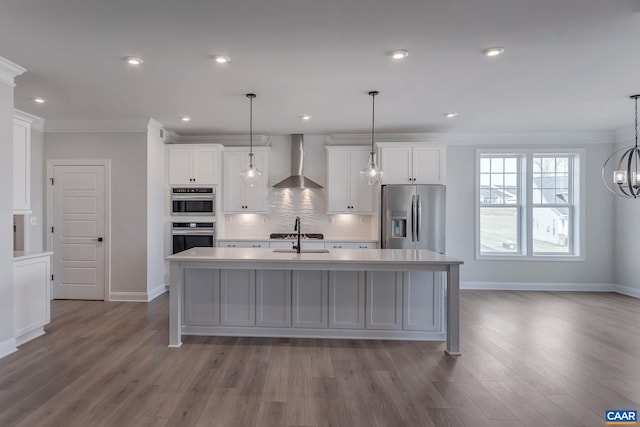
x=337 y=246
x=231 y=246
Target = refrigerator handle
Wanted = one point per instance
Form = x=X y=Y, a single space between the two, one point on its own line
x=418 y=219
x=413 y=217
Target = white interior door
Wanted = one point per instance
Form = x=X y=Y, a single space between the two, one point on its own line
x=78 y=235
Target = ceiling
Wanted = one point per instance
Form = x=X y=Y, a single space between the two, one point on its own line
x=569 y=65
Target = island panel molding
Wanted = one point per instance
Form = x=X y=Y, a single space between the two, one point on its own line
x=404 y=305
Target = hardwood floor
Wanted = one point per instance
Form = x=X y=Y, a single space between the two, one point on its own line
x=529 y=359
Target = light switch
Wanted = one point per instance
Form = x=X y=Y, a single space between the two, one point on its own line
x=34 y=220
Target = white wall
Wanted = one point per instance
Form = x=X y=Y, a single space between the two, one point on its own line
x=128 y=155
x=36 y=232
x=155 y=210
x=627 y=230
x=597 y=267
x=286 y=204
x=7 y=343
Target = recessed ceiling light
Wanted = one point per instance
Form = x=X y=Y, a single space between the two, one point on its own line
x=450 y=115
x=493 y=51
x=39 y=100
x=186 y=119
x=221 y=59
x=399 y=54
x=134 y=60
x=305 y=117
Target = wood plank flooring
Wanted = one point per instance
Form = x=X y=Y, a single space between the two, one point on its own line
x=534 y=359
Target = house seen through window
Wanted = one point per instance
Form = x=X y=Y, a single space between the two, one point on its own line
x=527 y=204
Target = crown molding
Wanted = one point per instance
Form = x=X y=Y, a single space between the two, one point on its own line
x=37 y=123
x=96 y=126
x=226 y=140
x=9 y=71
x=510 y=138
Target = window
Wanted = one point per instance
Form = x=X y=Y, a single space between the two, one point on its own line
x=527 y=204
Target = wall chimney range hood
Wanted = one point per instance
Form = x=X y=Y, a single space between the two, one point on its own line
x=297 y=179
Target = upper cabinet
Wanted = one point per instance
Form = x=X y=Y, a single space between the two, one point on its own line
x=238 y=197
x=346 y=192
x=193 y=164
x=412 y=163
x=22 y=163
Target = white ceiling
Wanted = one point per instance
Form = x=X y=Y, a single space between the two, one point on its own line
x=569 y=65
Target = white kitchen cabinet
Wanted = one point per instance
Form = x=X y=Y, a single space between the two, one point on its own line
x=273 y=298
x=350 y=245
x=346 y=192
x=21 y=163
x=238 y=297
x=346 y=299
x=422 y=301
x=237 y=197
x=31 y=296
x=384 y=300
x=412 y=163
x=193 y=164
x=201 y=297
x=242 y=244
x=310 y=299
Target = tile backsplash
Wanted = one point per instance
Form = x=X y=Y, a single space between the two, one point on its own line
x=308 y=204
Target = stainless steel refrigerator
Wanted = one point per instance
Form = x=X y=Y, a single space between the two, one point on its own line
x=413 y=217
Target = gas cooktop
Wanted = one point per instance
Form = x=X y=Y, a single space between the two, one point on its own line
x=294 y=236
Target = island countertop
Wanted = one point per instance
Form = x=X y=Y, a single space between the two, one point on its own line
x=381 y=258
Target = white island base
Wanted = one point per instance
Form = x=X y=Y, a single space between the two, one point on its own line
x=347 y=293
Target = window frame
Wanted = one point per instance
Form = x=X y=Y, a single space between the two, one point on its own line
x=576 y=178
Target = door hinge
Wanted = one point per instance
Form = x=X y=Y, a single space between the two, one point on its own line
x=51 y=181
x=52 y=277
x=52 y=229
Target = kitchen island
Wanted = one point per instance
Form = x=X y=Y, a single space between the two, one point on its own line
x=340 y=293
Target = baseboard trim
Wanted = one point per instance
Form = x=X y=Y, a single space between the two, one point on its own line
x=156 y=292
x=7 y=347
x=626 y=290
x=128 y=296
x=536 y=286
x=26 y=337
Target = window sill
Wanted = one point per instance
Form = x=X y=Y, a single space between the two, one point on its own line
x=539 y=258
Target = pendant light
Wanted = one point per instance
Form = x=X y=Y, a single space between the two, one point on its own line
x=251 y=174
x=621 y=171
x=371 y=174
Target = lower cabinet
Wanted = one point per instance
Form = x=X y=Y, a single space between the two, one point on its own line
x=346 y=299
x=237 y=297
x=422 y=301
x=31 y=297
x=310 y=299
x=273 y=298
x=391 y=302
x=202 y=297
x=384 y=300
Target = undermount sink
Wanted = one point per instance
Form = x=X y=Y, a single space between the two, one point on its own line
x=304 y=251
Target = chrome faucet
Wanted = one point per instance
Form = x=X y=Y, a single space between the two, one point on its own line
x=297 y=228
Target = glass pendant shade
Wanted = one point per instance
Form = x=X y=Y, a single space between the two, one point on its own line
x=251 y=174
x=371 y=174
x=621 y=171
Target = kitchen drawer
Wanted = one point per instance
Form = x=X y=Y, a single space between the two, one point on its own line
x=350 y=245
x=243 y=244
x=288 y=244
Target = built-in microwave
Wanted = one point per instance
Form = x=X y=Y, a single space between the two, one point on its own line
x=199 y=201
x=187 y=235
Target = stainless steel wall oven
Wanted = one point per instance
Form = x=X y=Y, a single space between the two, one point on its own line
x=187 y=235
x=186 y=201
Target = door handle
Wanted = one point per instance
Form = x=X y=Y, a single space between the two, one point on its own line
x=413 y=217
x=98 y=239
x=418 y=219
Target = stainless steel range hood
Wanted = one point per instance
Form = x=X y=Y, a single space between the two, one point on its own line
x=297 y=179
